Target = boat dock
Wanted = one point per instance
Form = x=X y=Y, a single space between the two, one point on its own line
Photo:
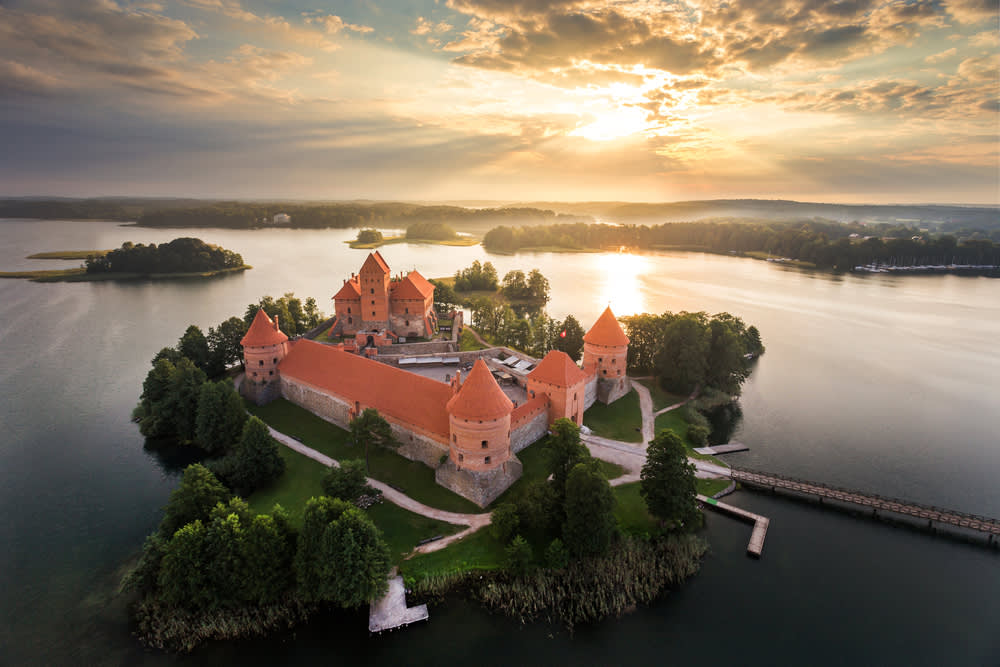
x=729 y=448
x=390 y=611
x=756 y=545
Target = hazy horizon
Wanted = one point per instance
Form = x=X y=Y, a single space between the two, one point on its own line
x=645 y=101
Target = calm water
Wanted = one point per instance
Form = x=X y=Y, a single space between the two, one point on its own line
x=878 y=382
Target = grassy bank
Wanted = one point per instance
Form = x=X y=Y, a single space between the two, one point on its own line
x=68 y=254
x=411 y=477
x=621 y=420
x=389 y=240
x=80 y=275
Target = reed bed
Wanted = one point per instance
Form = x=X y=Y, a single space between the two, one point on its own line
x=635 y=571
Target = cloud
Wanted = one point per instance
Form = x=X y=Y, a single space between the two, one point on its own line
x=335 y=25
x=974 y=11
x=426 y=27
x=938 y=57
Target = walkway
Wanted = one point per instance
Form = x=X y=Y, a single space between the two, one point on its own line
x=760 y=523
x=390 y=612
x=473 y=521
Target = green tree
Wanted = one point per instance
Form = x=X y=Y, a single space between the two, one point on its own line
x=572 y=342
x=194 y=346
x=504 y=522
x=556 y=556
x=726 y=368
x=224 y=345
x=445 y=298
x=183 y=580
x=563 y=451
x=346 y=481
x=515 y=285
x=590 y=511
x=257 y=460
x=369 y=236
x=538 y=286
x=154 y=420
x=220 y=418
x=682 y=360
x=311 y=564
x=667 y=482
x=270 y=551
x=179 y=408
x=518 y=555
x=193 y=499
x=371 y=428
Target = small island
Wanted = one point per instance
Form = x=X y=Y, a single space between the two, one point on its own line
x=420 y=232
x=181 y=258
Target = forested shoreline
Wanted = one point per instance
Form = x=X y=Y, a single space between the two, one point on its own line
x=826 y=245
x=182 y=255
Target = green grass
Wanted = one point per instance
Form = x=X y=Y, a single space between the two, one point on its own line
x=661 y=397
x=621 y=420
x=303 y=479
x=479 y=551
x=675 y=421
x=631 y=512
x=710 y=487
x=467 y=342
x=411 y=477
x=533 y=460
x=68 y=254
x=389 y=240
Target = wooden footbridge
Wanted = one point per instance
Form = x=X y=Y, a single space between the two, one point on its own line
x=877 y=503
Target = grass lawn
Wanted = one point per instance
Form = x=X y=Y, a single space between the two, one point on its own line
x=411 y=477
x=633 y=516
x=479 y=551
x=303 y=480
x=622 y=420
x=467 y=342
x=710 y=487
x=661 y=398
x=674 y=421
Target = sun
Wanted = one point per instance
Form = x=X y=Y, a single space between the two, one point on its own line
x=614 y=124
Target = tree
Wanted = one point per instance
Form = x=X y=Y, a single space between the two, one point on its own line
x=256 y=458
x=538 y=286
x=183 y=580
x=194 y=346
x=590 y=511
x=556 y=556
x=179 y=408
x=563 y=452
x=369 y=236
x=572 y=342
x=518 y=555
x=726 y=369
x=270 y=552
x=515 y=285
x=311 y=565
x=224 y=345
x=221 y=416
x=193 y=499
x=346 y=481
x=682 y=360
x=445 y=298
x=667 y=482
x=504 y=522
x=371 y=428
x=154 y=422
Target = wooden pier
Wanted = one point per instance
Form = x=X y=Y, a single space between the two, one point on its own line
x=877 y=503
x=760 y=523
x=729 y=448
x=390 y=612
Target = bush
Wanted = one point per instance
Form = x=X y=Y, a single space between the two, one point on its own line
x=697 y=435
x=504 y=522
x=518 y=554
x=347 y=482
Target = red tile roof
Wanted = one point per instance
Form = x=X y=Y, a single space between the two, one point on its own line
x=557 y=368
x=480 y=396
x=606 y=331
x=405 y=397
x=350 y=290
x=263 y=331
x=376 y=262
x=413 y=286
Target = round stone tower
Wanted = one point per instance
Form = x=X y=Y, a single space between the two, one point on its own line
x=479 y=419
x=605 y=347
x=264 y=346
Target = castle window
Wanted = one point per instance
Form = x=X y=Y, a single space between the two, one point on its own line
x=350 y=320
x=270 y=372
x=348 y=309
x=261 y=362
x=614 y=361
x=373 y=291
x=373 y=313
x=461 y=457
x=600 y=359
x=407 y=322
x=407 y=311
x=485 y=443
x=487 y=461
x=373 y=302
x=276 y=360
x=605 y=371
x=619 y=371
x=255 y=373
x=454 y=438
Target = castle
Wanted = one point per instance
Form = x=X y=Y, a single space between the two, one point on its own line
x=469 y=431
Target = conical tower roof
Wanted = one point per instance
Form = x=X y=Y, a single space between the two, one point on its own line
x=606 y=331
x=263 y=331
x=558 y=369
x=480 y=396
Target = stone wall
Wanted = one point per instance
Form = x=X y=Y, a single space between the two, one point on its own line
x=590 y=393
x=435 y=347
x=482 y=488
x=260 y=393
x=609 y=391
x=529 y=429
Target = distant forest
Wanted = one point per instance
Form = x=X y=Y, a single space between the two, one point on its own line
x=825 y=244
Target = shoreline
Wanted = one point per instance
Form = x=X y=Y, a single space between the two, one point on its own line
x=80 y=275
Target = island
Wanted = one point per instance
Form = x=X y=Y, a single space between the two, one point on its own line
x=529 y=477
x=181 y=258
x=420 y=232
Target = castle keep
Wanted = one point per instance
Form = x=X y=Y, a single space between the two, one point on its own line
x=468 y=430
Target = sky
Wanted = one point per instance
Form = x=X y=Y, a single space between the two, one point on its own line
x=865 y=101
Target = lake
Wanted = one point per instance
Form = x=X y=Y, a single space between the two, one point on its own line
x=877 y=382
